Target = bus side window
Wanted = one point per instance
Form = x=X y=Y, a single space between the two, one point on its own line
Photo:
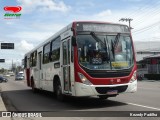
x=55 y=50
x=30 y=60
x=46 y=51
x=25 y=62
x=34 y=58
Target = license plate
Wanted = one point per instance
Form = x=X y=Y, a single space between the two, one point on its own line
x=112 y=92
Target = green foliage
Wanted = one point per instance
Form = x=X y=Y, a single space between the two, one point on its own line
x=2 y=70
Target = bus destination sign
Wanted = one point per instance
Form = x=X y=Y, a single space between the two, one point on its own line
x=101 y=27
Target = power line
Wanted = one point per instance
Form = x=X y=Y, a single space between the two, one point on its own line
x=150 y=13
x=142 y=7
x=146 y=28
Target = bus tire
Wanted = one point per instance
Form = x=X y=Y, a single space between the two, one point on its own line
x=59 y=94
x=103 y=97
x=34 y=89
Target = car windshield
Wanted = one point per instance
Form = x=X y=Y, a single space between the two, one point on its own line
x=105 y=52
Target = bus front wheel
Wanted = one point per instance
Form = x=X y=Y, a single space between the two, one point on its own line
x=59 y=94
x=103 y=97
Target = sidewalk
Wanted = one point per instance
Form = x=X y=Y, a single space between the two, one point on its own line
x=2 y=106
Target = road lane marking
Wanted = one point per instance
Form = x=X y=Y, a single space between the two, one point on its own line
x=144 y=106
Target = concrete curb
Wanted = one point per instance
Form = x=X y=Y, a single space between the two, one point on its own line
x=2 y=106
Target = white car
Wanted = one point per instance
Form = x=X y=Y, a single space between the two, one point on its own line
x=6 y=75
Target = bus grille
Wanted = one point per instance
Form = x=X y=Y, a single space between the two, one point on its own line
x=103 y=90
x=97 y=74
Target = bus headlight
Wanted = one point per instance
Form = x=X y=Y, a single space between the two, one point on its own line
x=134 y=77
x=84 y=79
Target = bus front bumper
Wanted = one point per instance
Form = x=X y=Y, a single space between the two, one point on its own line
x=94 y=90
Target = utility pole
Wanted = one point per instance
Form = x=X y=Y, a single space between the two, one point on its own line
x=12 y=65
x=127 y=20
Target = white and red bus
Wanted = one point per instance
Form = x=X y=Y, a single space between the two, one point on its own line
x=84 y=59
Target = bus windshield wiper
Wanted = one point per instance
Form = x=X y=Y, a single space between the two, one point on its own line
x=112 y=49
x=114 y=44
x=96 y=38
x=99 y=40
x=106 y=45
x=116 y=40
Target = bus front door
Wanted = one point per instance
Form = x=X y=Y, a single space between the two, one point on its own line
x=66 y=66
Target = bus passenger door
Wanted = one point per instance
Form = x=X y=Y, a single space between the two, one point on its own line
x=66 y=66
x=40 y=70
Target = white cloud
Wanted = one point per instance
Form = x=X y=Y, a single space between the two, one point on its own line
x=104 y=13
x=24 y=46
x=9 y=22
x=43 y=5
x=104 y=16
x=49 y=27
x=32 y=36
x=85 y=4
x=40 y=32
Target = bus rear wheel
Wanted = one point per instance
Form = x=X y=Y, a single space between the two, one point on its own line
x=33 y=86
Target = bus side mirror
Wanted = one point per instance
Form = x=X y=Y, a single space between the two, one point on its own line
x=74 y=41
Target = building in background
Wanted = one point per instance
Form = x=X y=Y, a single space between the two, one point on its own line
x=149 y=66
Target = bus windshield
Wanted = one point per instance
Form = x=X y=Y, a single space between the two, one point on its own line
x=105 y=52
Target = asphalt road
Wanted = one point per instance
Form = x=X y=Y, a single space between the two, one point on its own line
x=18 y=97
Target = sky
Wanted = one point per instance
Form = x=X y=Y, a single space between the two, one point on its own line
x=40 y=19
